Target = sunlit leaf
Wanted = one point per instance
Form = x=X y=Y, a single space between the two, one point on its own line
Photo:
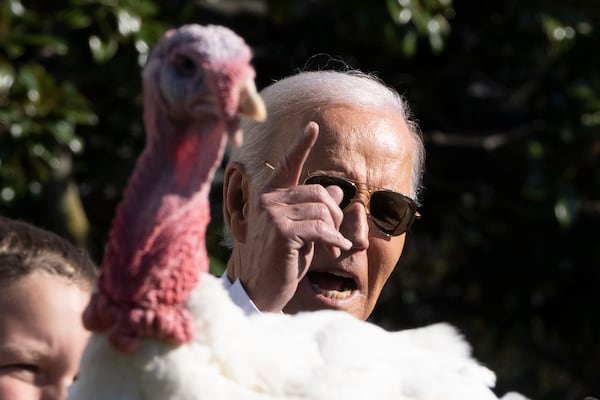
x=29 y=77
x=63 y=131
x=102 y=50
x=127 y=22
x=7 y=78
x=16 y=8
x=565 y=210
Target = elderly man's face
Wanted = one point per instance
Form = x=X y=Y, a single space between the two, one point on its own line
x=371 y=148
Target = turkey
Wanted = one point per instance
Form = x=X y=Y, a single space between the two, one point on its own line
x=164 y=328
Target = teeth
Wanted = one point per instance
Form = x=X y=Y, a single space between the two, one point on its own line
x=342 y=274
x=333 y=294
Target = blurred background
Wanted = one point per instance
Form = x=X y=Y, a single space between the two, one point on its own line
x=507 y=94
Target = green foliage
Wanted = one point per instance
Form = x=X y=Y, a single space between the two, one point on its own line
x=507 y=94
x=427 y=18
x=47 y=51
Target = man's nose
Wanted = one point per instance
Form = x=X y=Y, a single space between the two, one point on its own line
x=355 y=226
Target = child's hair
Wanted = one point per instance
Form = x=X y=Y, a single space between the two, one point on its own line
x=25 y=249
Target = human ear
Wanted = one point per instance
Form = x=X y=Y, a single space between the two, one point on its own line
x=235 y=197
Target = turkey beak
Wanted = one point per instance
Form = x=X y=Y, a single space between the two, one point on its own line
x=252 y=106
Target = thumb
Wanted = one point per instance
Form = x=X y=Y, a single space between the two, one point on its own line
x=289 y=168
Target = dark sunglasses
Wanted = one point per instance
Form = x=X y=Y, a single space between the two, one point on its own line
x=393 y=213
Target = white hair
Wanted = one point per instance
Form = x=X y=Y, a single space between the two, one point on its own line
x=309 y=91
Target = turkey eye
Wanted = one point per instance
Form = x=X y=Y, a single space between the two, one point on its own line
x=185 y=65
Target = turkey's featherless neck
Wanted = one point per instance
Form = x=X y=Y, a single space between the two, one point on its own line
x=156 y=247
x=171 y=180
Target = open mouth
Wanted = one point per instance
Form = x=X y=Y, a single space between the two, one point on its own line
x=332 y=285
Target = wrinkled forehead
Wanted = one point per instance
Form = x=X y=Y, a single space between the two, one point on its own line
x=357 y=121
x=371 y=145
x=380 y=135
x=346 y=124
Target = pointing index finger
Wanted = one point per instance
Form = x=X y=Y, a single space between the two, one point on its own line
x=286 y=173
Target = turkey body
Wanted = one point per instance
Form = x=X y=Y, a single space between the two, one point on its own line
x=313 y=355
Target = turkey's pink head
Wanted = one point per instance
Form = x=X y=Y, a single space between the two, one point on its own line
x=203 y=73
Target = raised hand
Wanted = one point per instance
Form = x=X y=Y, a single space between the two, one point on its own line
x=289 y=219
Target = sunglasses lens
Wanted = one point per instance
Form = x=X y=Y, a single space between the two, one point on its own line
x=392 y=212
x=347 y=187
